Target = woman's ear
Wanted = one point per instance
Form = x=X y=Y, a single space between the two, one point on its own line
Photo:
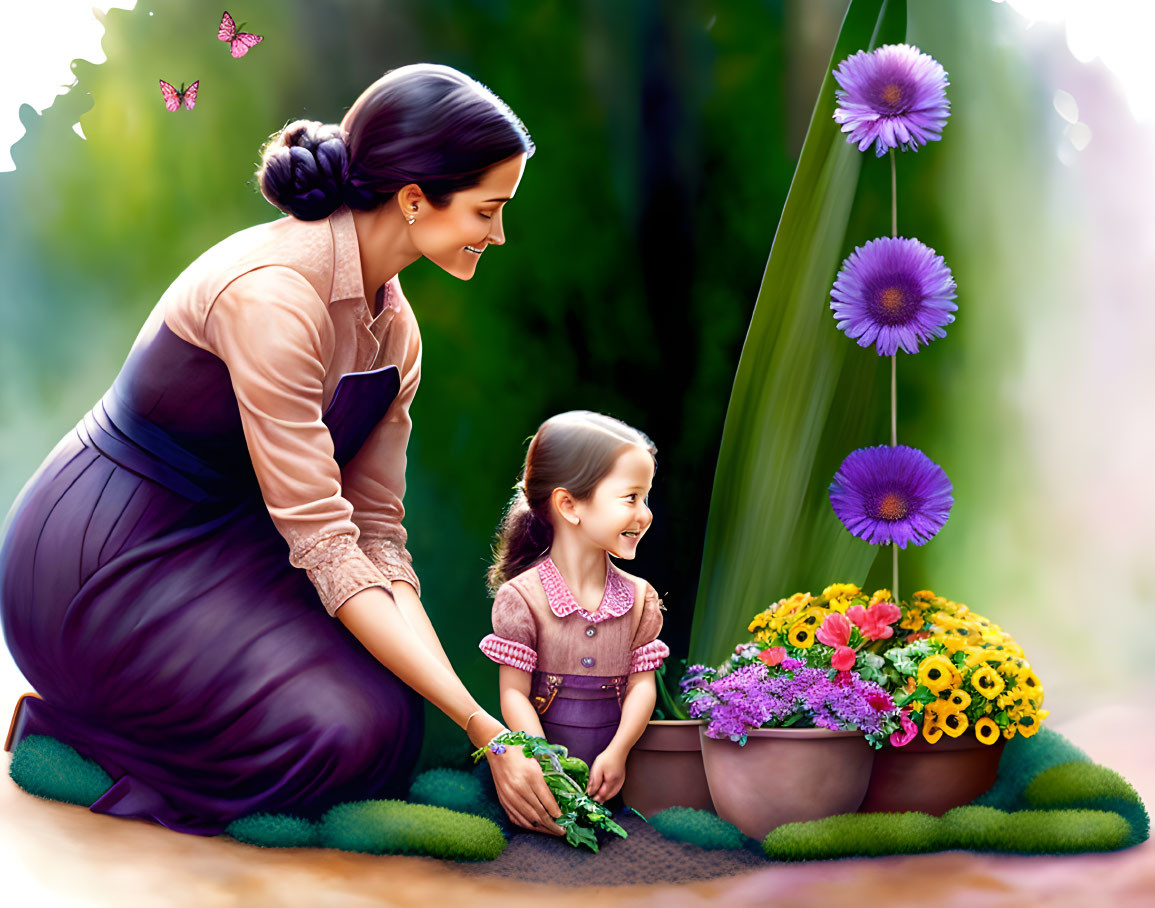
x=565 y=505
x=409 y=199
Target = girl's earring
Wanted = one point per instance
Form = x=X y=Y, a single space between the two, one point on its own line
x=411 y=221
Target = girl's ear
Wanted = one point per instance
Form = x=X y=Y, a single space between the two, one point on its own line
x=564 y=504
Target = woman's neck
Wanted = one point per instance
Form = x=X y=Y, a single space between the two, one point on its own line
x=383 y=244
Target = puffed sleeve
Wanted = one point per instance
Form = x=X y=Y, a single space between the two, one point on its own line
x=647 y=651
x=274 y=333
x=374 y=480
x=514 y=638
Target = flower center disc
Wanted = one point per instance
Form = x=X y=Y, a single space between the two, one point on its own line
x=891 y=299
x=891 y=94
x=892 y=507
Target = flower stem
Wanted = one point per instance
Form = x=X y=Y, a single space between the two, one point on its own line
x=894 y=361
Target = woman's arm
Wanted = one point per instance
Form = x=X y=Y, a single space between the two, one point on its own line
x=374 y=618
x=516 y=708
x=414 y=614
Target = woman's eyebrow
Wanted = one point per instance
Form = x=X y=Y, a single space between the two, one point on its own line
x=506 y=199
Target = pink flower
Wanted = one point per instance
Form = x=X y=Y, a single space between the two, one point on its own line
x=908 y=733
x=773 y=656
x=835 y=630
x=843 y=659
x=880 y=700
x=874 y=622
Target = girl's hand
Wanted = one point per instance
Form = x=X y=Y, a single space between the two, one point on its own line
x=607 y=774
x=522 y=791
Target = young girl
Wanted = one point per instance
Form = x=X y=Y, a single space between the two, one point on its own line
x=575 y=636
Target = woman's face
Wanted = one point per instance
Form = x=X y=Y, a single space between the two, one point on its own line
x=455 y=237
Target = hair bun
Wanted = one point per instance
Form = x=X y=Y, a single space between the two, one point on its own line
x=303 y=169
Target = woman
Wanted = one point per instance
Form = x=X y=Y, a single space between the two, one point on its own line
x=150 y=581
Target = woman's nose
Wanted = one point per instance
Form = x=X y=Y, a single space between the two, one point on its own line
x=496 y=231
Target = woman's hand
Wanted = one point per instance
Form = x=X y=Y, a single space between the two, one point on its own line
x=607 y=774
x=523 y=792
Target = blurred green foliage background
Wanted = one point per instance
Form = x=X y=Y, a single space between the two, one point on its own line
x=667 y=135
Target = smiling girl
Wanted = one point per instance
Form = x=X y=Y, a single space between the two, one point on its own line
x=576 y=637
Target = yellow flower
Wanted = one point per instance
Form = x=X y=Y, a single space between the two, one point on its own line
x=841 y=590
x=986 y=730
x=987 y=682
x=1028 y=725
x=954 y=723
x=924 y=595
x=931 y=732
x=959 y=699
x=881 y=596
x=1004 y=701
x=937 y=673
x=946 y=621
x=761 y=620
x=840 y=605
x=1009 y=731
x=960 y=638
x=936 y=711
x=1029 y=681
x=801 y=635
x=912 y=620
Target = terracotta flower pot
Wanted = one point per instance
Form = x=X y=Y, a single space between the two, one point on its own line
x=932 y=778
x=785 y=775
x=664 y=769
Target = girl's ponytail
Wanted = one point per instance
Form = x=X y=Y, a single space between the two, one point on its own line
x=523 y=538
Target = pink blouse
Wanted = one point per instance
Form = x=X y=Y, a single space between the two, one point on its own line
x=282 y=304
x=538 y=625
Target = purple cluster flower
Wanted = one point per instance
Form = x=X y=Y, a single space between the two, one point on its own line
x=755 y=697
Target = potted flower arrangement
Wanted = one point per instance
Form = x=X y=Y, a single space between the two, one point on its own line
x=790 y=706
x=664 y=768
x=965 y=688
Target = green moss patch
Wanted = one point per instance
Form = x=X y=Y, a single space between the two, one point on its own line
x=51 y=769
x=698 y=827
x=275 y=830
x=395 y=827
x=1088 y=785
x=455 y=789
x=853 y=835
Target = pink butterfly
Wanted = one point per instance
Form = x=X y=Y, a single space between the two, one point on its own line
x=174 y=96
x=239 y=42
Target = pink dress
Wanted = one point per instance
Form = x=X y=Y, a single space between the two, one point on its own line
x=580 y=662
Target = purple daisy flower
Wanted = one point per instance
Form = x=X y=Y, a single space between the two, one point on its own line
x=894 y=292
x=894 y=97
x=884 y=494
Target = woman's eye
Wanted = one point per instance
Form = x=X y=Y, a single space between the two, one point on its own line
x=486 y=216
x=632 y=496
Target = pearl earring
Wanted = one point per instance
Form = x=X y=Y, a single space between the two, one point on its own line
x=411 y=220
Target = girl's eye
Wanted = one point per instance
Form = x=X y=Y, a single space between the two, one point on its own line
x=633 y=496
x=486 y=216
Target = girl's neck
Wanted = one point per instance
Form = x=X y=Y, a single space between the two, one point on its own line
x=582 y=566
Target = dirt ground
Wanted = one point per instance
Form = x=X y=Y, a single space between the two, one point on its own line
x=55 y=854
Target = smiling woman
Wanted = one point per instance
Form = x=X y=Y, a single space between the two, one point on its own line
x=170 y=574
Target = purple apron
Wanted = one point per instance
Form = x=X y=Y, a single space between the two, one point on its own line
x=581 y=712
x=147 y=596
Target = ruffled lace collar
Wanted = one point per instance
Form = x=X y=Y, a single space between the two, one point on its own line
x=617 y=599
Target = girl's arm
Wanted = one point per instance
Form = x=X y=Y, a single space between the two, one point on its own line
x=516 y=708
x=609 y=769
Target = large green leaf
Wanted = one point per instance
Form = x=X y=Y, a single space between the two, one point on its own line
x=799 y=403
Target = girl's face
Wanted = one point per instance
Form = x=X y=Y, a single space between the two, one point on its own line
x=455 y=237
x=615 y=517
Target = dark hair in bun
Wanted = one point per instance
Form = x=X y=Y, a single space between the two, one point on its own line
x=424 y=123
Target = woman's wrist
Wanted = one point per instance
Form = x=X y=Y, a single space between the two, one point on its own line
x=483 y=729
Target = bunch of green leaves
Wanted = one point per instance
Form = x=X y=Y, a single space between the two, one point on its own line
x=567 y=778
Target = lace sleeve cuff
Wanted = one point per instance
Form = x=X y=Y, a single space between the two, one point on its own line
x=337 y=568
x=509 y=652
x=647 y=658
x=392 y=560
